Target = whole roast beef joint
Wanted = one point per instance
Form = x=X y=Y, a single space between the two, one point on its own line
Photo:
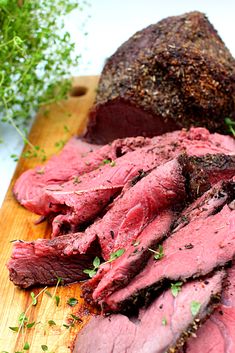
x=145 y=221
x=173 y=74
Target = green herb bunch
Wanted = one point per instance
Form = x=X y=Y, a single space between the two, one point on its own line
x=35 y=54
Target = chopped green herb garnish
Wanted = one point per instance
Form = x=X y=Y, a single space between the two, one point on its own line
x=106 y=161
x=231 y=125
x=76 y=318
x=22 y=319
x=164 y=321
x=116 y=254
x=158 y=254
x=48 y=293
x=26 y=346
x=66 y=326
x=195 y=307
x=66 y=129
x=34 y=300
x=96 y=262
x=44 y=347
x=31 y=324
x=72 y=301
x=109 y=161
x=176 y=288
x=60 y=144
x=57 y=300
x=91 y=273
x=51 y=323
x=76 y=180
x=15 y=329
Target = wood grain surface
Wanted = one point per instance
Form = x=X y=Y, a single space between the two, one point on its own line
x=18 y=223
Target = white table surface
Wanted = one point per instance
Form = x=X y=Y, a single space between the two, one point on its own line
x=111 y=23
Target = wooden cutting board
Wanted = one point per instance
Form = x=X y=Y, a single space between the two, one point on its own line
x=18 y=223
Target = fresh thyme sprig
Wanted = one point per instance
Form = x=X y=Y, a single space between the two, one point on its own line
x=35 y=54
x=91 y=272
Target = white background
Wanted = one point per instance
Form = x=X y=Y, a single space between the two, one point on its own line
x=110 y=24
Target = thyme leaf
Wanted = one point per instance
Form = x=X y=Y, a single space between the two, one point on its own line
x=176 y=288
x=72 y=301
x=44 y=347
x=34 y=300
x=195 y=307
x=158 y=254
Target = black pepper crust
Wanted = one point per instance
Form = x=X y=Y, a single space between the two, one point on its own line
x=178 y=69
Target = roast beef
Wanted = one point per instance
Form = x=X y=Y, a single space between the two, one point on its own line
x=76 y=158
x=120 y=225
x=41 y=262
x=81 y=203
x=125 y=220
x=162 y=327
x=217 y=335
x=192 y=251
x=119 y=273
x=170 y=75
x=200 y=173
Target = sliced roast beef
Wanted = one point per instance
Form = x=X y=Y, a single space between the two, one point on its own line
x=76 y=158
x=162 y=327
x=194 y=250
x=172 y=74
x=118 y=274
x=41 y=262
x=196 y=141
x=206 y=205
x=120 y=225
x=163 y=187
x=82 y=203
x=217 y=334
x=58 y=169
